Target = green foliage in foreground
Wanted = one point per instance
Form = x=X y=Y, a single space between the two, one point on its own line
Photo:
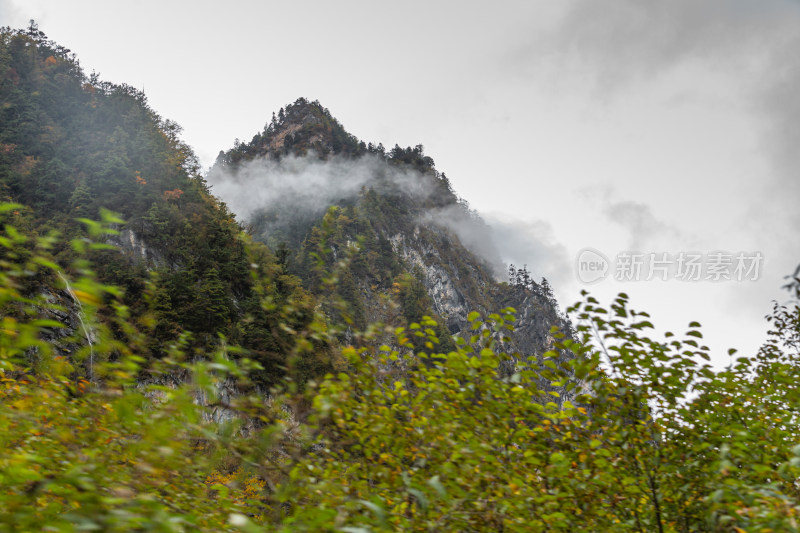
x=652 y=440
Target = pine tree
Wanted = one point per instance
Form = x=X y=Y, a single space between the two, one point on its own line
x=526 y=278
x=547 y=291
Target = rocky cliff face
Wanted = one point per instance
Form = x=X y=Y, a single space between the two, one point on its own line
x=133 y=246
x=61 y=307
x=438 y=277
x=458 y=287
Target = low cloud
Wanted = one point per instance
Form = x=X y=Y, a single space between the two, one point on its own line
x=473 y=232
x=501 y=240
x=306 y=184
x=532 y=243
x=301 y=188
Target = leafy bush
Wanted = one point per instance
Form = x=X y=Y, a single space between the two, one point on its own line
x=651 y=438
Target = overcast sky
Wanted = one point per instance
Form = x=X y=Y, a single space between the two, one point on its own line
x=620 y=125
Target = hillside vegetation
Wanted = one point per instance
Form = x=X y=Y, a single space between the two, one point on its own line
x=163 y=370
x=71 y=144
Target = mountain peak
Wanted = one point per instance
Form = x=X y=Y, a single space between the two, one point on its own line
x=301 y=121
x=303 y=112
x=298 y=128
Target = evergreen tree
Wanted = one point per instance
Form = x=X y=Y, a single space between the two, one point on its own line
x=526 y=277
x=81 y=201
x=213 y=302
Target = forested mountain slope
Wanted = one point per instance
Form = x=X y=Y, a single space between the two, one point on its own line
x=304 y=182
x=71 y=144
